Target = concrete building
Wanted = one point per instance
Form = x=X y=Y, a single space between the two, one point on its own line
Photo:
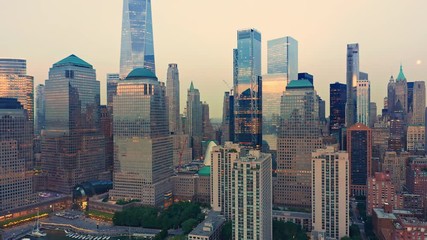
x=395 y=165
x=415 y=138
x=40 y=118
x=223 y=158
x=209 y=229
x=359 y=147
x=373 y=117
x=299 y=136
x=381 y=191
x=418 y=106
x=416 y=176
x=184 y=186
x=16 y=149
x=173 y=100
x=203 y=185
x=141 y=125
x=352 y=78
x=301 y=218
x=252 y=197
x=194 y=125
x=330 y=193
x=363 y=101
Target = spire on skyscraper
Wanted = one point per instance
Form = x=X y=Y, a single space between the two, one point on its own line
x=401 y=76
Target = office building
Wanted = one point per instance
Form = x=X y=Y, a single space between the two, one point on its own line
x=248 y=89
x=306 y=76
x=207 y=128
x=359 y=147
x=416 y=176
x=13 y=66
x=40 y=109
x=251 y=196
x=227 y=126
x=417 y=109
x=299 y=136
x=381 y=191
x=282 y=57
x=16 y=148
x=363 y=99
x=137 y=47
x=330 y=193
x=223 y=158
x=140 y=125
x=172 y=94
x=337 y=103
x=394 y=163
x=209 y=229
x=415 y=138
x=106 y=127
x=273 y=86
x=112 y=81
x=352 y=78
x=72 y=144
x=400 y=103
x=194 y=124
x=372 y=114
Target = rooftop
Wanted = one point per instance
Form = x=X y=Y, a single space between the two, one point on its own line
x=205 y=171
x=206 y=228
x=73 y=60
x=303 y=83
x=401 y=76
x=139 y=73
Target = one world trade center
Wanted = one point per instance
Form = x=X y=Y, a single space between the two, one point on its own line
x=137 y=50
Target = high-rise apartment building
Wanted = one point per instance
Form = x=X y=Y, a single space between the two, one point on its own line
x=299 y=136
x=418 y=107
x=137 y=48
x=13 y=66
x=251 y=187
x=194 y=125
x=352 y=78
x=140 y=125
x=72 y=144
x=112 y=81
x=330 y=193
x=381 y=191
x=359 y=147
x=172 y=94
x=248 y=89
x=282 y=57
x=337 y=103
x=40 y=108
x=16 y=150
x=363 y=100
x=223 y=158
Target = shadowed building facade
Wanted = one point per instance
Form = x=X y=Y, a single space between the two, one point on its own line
x=143 y=146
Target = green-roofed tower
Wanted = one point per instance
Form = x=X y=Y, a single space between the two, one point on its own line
x=73 y=60
x=401 y=76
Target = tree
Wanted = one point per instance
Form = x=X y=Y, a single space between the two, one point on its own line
x=345 y=238
x=287 y=230
x=188 y=225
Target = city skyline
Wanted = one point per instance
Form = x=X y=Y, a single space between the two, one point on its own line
x=103 y=48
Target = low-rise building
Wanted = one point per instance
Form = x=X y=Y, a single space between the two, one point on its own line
x=301 y=218
x=209 y=229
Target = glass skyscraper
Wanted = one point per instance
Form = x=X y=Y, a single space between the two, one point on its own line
x=13 y=66
x=143 y=145
x=282 y=57
x=112 y=81
x=194 y=122
x=352 y=78
x=172 y=93
x=247 y=89
x=137 y=50
x=72 y=144
x=40 y=110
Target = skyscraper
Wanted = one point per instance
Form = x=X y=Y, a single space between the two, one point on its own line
x=330 y=193
x=401 y=93
x=359 y=146
x=16 y=148
x=299 y=136
x=306 y=76
x=352 y=78
x=40 y=108
x=248 y=89
x=207 y=128
x=282 y=57
x=140 y=125
x=273 y=86
x=16 y=84
x=227 y=126
x=363 y=100
x=372 y=114
x=172 y=94
x=13 y=66
x=251 y=187
x=194 y=123
x=112 y=81
x=72 y=145
x=137 y=49
x=223 y=158
x=419 y=103
x=337 y=102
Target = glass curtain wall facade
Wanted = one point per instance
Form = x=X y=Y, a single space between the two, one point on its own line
x=282 y=57
x=112 y=81
x=137 y=49
x=72 y=144
x=248 y=89
x=299 y=136
x=194 y=121
x=13 y=66
x=363 y=101
x=172 y=94
x=140 y=125
x=352 y=78
x=40 y=108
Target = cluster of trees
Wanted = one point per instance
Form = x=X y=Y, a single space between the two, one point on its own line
x=183 y=215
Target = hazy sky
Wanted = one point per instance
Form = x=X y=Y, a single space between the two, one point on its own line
x=199 y=35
